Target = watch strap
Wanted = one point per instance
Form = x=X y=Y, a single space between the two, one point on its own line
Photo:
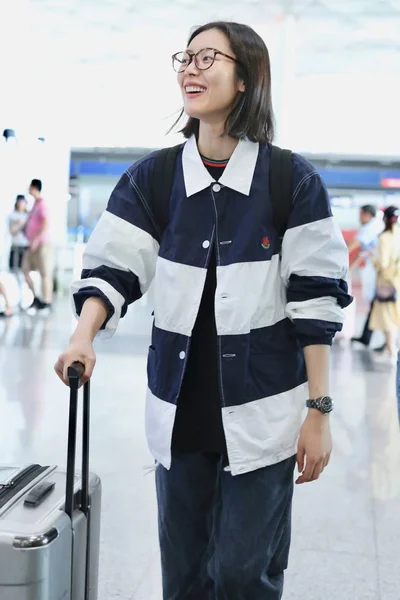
x=323 y=404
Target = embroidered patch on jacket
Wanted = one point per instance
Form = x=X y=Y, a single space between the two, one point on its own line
x=265 y=243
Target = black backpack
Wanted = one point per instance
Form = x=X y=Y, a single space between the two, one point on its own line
x=280 y=182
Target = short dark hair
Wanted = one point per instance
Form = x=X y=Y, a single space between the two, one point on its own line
x=370 y=209
x=18 y=199
x=37 y=184
x=252 y=116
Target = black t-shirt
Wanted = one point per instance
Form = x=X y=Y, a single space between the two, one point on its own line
x=198 y=423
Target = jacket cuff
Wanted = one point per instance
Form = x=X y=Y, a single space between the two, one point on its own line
x=316 y=332
x=84 y=294
x=305 y=341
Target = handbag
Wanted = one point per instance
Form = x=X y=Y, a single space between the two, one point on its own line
x=386 y=292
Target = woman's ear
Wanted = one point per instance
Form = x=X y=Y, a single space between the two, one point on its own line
x=242 y=87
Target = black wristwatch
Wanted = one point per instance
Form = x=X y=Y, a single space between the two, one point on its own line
x=324 y=404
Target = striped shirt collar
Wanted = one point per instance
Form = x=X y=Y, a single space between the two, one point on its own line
x=238 y=174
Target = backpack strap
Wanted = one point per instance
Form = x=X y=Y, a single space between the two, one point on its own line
x=280 y=186
x=161 y=186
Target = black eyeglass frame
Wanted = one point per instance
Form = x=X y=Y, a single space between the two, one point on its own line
x=193 y=55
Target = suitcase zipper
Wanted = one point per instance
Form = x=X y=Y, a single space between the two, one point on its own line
x=23 y=473
x=26 y=476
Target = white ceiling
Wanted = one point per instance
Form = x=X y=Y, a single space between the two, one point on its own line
x=94 y=58
x=332 y=35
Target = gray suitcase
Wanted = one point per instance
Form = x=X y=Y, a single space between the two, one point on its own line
x=50 y=522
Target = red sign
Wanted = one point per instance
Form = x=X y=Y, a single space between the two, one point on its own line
x=391 y=182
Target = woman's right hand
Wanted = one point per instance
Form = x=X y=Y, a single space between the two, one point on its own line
x=79 y=350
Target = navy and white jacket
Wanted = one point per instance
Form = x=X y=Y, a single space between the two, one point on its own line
x=267 y=307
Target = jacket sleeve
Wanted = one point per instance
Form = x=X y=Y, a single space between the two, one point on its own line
x=120 y=258
x=314 y=261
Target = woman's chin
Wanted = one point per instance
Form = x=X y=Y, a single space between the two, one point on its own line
x=193 y=114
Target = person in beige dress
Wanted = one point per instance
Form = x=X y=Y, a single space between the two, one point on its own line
x=386 y=309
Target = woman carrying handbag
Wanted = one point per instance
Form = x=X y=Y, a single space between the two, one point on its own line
x=386 y=310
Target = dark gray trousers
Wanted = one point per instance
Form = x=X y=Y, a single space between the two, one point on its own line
x=223 y=537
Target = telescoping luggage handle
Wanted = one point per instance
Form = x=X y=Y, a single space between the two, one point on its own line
x=75 y=372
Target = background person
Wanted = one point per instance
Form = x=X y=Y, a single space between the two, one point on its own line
x=385 y=314
x=17 y=223
x=365 y=242
x=39 y=255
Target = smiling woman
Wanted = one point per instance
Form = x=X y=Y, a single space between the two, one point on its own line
x=239 y=82
x=245 y=312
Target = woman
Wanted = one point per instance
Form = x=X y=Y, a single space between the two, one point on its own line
x=226 y=368
x=17 y=223
x=385 y=314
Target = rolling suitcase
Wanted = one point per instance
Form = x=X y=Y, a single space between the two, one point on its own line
x=50 y=522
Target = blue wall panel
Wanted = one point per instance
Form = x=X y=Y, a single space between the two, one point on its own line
x=333 y=177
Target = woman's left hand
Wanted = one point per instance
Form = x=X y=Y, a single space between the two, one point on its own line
x=314 y=447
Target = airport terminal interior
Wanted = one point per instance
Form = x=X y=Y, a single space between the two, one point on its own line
x=90 y=91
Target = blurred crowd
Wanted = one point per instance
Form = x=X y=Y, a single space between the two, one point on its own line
x=375 y=253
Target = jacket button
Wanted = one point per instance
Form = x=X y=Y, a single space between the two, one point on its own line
x=216 y=187
x=182 y=355
x=206 y=244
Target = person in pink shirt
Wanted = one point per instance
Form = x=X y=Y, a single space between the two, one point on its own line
x=39 y=255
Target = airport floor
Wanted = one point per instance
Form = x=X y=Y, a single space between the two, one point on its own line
x=346 y=526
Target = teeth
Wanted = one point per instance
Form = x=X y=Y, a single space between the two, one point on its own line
x=192 y=88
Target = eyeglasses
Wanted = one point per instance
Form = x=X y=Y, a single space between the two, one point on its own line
x=203 y=59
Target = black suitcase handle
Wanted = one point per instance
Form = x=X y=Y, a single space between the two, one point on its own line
x=75 y=372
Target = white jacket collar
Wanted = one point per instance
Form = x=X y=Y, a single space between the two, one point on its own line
x=238 y=174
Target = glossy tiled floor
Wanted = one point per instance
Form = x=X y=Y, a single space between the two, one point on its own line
x=346 y=526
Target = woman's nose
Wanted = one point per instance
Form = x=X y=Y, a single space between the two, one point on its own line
x=192 y=68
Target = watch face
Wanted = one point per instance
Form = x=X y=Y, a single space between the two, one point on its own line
x=326 y=404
